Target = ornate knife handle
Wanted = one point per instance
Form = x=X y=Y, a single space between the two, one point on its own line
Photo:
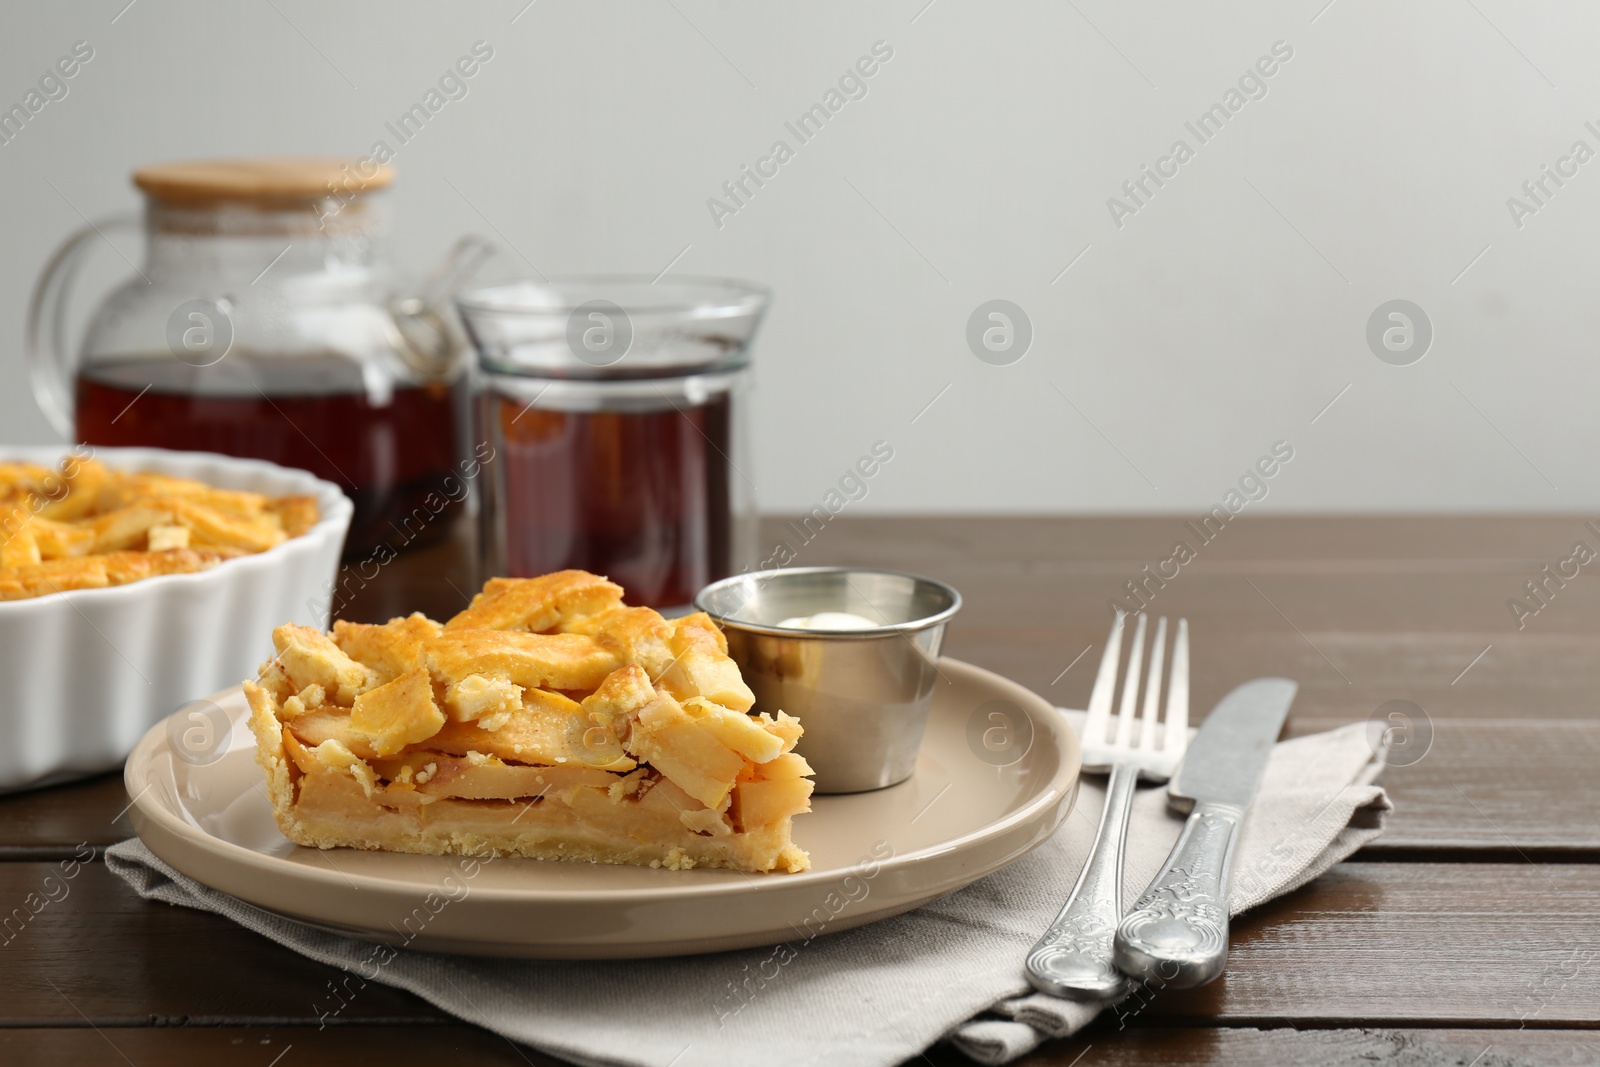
x=1177 y=933
x=1073 y=958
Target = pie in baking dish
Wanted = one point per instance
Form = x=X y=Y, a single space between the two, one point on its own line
x=88 y=526
x=546 y=720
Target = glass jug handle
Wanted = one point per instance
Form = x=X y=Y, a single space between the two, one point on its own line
x=424 y=319
x=465 y=258
x=51 y=366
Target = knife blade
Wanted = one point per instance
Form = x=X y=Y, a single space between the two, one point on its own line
x=1177 y=933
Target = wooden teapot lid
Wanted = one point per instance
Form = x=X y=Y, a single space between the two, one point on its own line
x=264 y=180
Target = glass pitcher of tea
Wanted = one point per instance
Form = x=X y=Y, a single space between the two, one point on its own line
x=266 y=321
x=615 y=409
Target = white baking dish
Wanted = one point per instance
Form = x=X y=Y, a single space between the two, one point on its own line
x=83 y=674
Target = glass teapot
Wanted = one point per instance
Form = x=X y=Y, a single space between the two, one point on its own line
x=265 y=322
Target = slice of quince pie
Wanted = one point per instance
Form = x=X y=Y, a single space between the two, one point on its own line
x=545 y=720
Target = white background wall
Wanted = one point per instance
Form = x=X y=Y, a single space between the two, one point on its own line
x=1222 y=317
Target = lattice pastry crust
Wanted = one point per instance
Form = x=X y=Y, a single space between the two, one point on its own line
x=88 y=526
x=546 y=720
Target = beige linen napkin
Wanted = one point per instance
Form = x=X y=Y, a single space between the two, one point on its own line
x=868 y=997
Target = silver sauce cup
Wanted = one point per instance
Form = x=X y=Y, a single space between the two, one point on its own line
x=861 y=694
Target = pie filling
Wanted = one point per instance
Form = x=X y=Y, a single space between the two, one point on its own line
x=88 y=526
x=545 y=720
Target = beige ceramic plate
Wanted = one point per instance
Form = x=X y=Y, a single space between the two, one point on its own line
x=873 y=855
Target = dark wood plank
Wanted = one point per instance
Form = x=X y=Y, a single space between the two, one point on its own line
x=232 y=1046
x=1352 y=641
x=1508 y=945
x=85 y=949
x=1360 y=610
x=1391 y=619
x=1102 y=1045
x=1518 y=788
x=1003 y=539
x=1387 y=943
x=51 y=823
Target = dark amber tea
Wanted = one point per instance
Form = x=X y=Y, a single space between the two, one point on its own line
x=639 y=496
x=615 y=408
x=393 y=452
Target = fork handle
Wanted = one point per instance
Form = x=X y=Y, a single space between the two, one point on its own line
x=1073 y=958
x=1177 y=933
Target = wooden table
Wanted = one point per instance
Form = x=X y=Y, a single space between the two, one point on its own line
x=1468 y=934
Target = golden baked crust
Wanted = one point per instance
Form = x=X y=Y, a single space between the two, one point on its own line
x=87 y=526
x=538 y=605
x=545 y=720
x=391 y=649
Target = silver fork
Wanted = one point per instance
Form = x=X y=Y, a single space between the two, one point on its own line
x=1073 y=958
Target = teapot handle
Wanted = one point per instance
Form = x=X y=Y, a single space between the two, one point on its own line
x=424 y=319
x=51 y=366
x=452 y=273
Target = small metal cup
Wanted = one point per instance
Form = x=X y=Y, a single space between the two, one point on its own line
x=862 y=695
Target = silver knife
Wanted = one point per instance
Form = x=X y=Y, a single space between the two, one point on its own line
x=1177 y=933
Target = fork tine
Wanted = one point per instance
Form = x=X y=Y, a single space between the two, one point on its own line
x=1130 y=686
x=1178 y=693
x=1152 y=689
x=1094 y=728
